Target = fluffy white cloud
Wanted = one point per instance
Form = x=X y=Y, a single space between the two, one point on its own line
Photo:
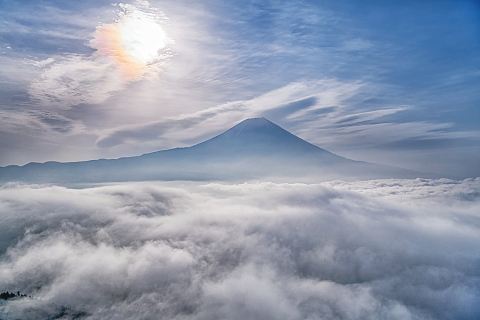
x=385 y=249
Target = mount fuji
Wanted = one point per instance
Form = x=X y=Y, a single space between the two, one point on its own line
x=253 y=149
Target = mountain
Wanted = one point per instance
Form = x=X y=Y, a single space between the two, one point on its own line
x=253 y=149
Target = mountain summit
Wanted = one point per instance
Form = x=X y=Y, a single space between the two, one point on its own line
x=259 y=137
x=256 y=132
x=253 y=149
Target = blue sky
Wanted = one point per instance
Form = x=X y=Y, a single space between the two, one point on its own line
x=390 y=82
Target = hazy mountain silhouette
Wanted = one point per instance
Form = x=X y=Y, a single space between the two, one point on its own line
x=253 y=149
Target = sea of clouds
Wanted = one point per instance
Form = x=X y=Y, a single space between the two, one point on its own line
x=381 y=249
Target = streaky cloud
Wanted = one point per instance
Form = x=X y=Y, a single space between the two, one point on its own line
x=132 y=48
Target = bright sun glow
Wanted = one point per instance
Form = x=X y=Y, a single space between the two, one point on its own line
x=136 y=42
x=142 y=38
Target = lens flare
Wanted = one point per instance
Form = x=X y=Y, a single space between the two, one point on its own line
x=136 y=41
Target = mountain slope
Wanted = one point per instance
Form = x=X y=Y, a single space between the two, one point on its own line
x=255 y=138
x=253 y=149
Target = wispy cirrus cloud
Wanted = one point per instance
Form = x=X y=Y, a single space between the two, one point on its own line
x=215 y=119
x=130 y=49
x=231 y=54
x=324 y=112
x=76 y=80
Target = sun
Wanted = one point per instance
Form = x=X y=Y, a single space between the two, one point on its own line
x=136 y=42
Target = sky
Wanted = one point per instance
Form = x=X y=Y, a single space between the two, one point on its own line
x=378 y=249
x=388 y=82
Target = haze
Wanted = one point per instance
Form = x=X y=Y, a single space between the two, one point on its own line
x=297 y=160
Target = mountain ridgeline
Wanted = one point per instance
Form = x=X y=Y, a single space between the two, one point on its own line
x=253 y=149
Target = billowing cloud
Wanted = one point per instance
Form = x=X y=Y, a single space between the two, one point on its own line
x=130 y=49
x=247 y=251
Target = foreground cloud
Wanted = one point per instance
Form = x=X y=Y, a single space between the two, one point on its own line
x=130 y=49
x=248 y=251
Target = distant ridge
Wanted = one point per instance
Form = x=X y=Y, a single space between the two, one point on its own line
x=253 y=149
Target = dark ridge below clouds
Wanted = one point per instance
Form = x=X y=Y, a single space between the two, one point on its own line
x=379 y=249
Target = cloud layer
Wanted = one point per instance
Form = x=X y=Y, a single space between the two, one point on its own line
x=400 y=249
